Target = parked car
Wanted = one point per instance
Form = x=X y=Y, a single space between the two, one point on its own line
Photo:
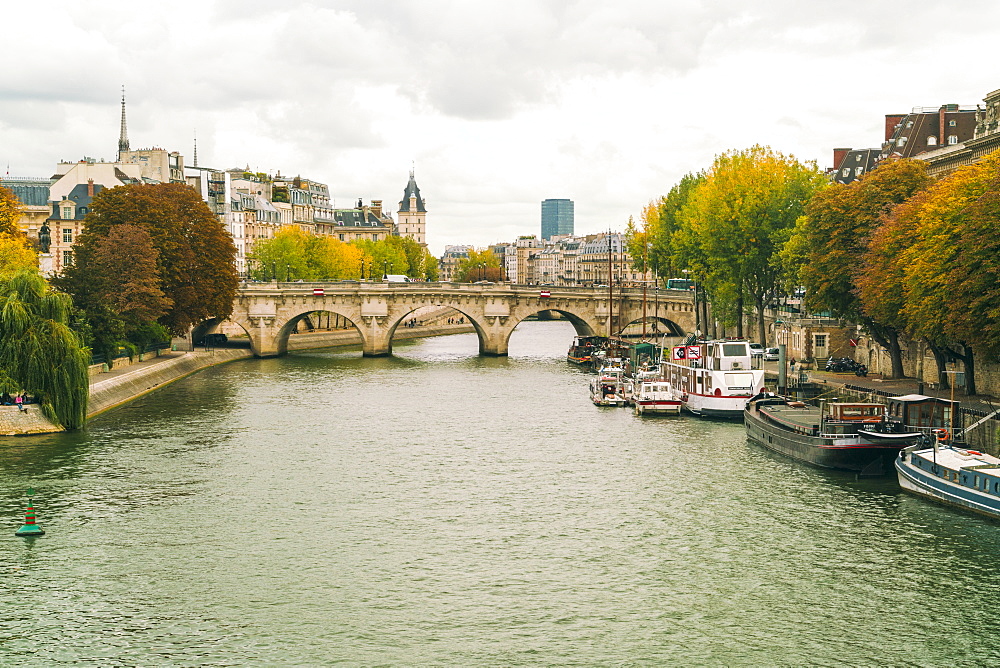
x=771 y=355
x=756 y=349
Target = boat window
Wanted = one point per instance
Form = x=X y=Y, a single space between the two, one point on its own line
x=739 y=381
x=734 y=349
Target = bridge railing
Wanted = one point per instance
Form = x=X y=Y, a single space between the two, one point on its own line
x=347 y=285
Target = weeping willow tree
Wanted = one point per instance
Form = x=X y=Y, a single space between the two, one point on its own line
x=39 y=353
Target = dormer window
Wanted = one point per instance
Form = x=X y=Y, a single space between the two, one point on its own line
x=909 y=124
x=932 y=141
x=902 y=141
x=67 y=212
x=952 y=139
x=857 y=158
x=952 y=123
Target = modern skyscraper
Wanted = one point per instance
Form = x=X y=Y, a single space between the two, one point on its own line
x=557 y=217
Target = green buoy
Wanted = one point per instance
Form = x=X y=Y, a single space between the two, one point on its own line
x=29 y=528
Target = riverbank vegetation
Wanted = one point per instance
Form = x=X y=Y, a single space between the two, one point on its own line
x=905 y=256
x=40 y=355
x=295 y=254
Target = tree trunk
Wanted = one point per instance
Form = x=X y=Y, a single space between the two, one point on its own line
x=896 y=356
x=969 y=364
x=941 y=359
x=739 y=317
x=888 y=338
x=761 y=325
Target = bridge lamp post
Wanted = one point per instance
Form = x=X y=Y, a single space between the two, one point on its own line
x=288 y=273
x=385 y=269
x=274 y=271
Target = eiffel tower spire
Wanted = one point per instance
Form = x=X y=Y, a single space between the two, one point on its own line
x=123 y=136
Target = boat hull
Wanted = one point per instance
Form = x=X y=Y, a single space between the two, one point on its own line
x=935 y=488
x=657 y=407
x=842 y=454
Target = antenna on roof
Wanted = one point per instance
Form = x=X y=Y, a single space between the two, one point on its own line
x=196 y=147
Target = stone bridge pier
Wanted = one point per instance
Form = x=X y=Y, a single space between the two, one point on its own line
x=269 y=311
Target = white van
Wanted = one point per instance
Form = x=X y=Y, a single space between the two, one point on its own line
x=396 y=278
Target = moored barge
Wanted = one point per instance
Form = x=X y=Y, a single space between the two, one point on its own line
x=845 y=436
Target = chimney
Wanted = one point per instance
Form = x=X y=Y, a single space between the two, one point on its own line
x=377 y=207
x=942 y=140
x=90 y=187
x=838 y=156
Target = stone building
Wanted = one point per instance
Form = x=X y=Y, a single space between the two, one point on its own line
x=412 y=215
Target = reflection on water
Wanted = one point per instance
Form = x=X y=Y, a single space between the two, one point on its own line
x=436 y=507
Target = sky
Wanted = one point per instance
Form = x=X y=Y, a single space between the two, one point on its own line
x=495 y=106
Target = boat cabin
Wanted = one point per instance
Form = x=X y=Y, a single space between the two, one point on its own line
x=923 y=412
x=857 y=412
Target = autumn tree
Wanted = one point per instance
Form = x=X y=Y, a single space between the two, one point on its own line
x=10 y=213
x=949 y=263
x=481 y=265
x=835 y=236
x=195 y=254
x=741 y=216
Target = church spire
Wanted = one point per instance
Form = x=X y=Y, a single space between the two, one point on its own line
x=123 y=136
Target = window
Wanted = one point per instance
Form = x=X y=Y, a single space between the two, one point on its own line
x=858 y=171
x=341 y=237
x=67 y=258
x=67 y=236
x=857 y=158
x=909 y=124
x=902 y=141
x=67 y=213
x=846 y=172
x=952 y=123
x=932 y=141
x=952 y=139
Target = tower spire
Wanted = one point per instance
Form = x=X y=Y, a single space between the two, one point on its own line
x=195 y=148
x=123 y=136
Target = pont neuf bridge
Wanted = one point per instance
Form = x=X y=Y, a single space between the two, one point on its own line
x=269 y=311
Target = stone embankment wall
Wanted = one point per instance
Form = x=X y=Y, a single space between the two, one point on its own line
x=108 y=390
x=120 y=388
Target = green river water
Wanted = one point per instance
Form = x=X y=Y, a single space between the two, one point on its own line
x=438 y=508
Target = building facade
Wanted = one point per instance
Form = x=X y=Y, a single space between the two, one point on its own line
x=557 y=217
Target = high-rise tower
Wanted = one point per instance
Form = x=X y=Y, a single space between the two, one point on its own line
x=123 y=135
x=412 y=214
x=557 y=217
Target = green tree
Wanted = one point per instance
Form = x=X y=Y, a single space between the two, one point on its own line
x=741 y=216
x=285 y=257
x=39 y=353
x=840 y=222
x=195 y=254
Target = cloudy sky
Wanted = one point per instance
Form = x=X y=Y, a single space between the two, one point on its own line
x=498 y=105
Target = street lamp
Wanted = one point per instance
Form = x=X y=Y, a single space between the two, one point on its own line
x=385 y=269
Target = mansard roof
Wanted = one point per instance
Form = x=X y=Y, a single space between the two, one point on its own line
x=412 y=191
x=356 y=218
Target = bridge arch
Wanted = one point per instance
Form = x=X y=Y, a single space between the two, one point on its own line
x=268 y=311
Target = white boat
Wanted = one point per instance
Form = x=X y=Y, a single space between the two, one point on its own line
x=657 y=398
x=713 y=378
x=609 y=389
x=958 y=477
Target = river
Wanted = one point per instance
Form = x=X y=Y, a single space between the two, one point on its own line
x=438 y=508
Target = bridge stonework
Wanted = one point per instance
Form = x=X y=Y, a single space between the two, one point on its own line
x=269 y=311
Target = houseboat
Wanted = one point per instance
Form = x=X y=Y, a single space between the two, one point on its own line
x=958 y=477
x=655 y=397
x=609 y=388
x=583 y=348
x=713 y=378
x=846 y=436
